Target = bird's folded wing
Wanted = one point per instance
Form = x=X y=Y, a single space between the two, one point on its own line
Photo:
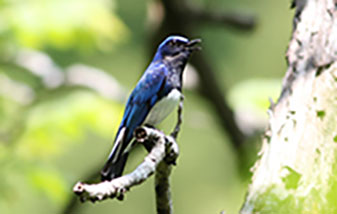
x=149 y=90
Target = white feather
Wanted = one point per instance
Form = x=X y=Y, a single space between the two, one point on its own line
x=117 y=144
x=157 y=114
x=163 y=108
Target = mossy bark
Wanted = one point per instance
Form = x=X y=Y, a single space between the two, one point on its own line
x=297 y=169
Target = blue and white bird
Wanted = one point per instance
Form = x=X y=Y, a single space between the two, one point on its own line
x=155 y=96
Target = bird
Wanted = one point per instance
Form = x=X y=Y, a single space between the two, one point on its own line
x=155 y=96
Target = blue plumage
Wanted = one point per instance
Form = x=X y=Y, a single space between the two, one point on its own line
x=154 y=97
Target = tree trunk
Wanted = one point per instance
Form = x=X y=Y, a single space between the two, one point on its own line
x=297 y=169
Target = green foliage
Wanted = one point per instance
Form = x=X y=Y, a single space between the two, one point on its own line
x=35 y=132
x=57 y=139
x=61 y=24
x=52 y=127
x=49 y=181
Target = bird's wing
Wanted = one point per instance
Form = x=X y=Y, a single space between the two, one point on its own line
x=150 y=89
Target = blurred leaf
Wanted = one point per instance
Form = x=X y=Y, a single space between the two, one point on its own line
x=62 y=24
x=50 y=182
x=56 y=124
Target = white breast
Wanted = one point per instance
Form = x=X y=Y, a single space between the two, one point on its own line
x=163 y=108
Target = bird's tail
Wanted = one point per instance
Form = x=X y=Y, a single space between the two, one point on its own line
x=112 y=169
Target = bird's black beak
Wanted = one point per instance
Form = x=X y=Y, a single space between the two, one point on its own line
x=193 y=45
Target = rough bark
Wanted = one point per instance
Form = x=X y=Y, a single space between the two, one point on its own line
x=296 y=172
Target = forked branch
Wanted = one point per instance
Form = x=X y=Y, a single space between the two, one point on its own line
x=163 y=152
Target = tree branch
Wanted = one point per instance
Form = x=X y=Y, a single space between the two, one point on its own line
x=163 y=152
x=211 y=91
x=176 y=130
x=164 y=147
x=162 y=187
x=235 y=20
x=296 y=172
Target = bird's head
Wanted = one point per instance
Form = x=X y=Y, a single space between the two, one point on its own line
x=173 y=46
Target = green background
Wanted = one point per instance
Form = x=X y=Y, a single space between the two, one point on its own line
x=62 y=135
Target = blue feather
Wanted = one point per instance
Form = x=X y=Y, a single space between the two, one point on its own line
x=161 y=77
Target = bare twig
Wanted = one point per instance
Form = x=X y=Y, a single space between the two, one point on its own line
x=179 y=119
x=72 y=205
x=164 y=147
x=162 y=186
x=163 y=152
